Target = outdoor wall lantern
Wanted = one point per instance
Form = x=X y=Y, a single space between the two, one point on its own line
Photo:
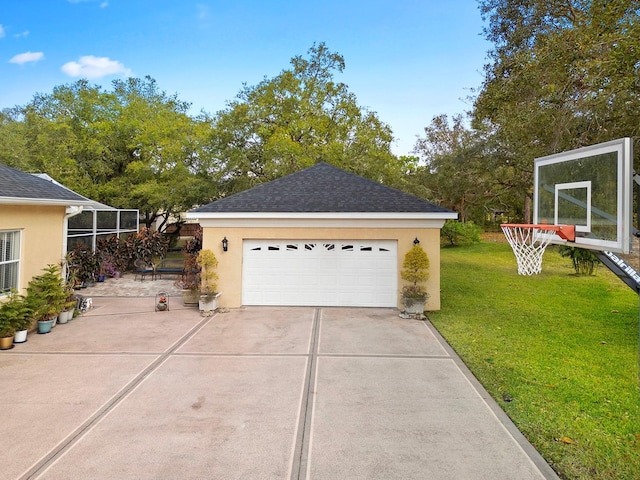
x=416 y=241
x=225 y=244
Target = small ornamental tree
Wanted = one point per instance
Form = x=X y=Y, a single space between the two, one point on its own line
x=46 y=293
x=415 y=270
x=16 y=311
x=208 y=262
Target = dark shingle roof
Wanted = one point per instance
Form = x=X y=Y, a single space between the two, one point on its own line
x=322 y=188
x=18 y=185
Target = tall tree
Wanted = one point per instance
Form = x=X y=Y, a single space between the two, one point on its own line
x=131 y=147
x=463 y=171
x=13 y=149
x=562 y=74
x=300 y=117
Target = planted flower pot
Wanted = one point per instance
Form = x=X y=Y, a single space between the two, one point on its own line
x=21 y=336
x=415 y=270
x=208 y=303
x=414 y=306
x=47 y=296
x=6 y=342
x=44 y=326
x=65 y=316
x=190 y=297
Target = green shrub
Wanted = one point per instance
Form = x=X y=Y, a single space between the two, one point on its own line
x=147 y=244
x=46 y=294
x=456 y=233
x=584 y=261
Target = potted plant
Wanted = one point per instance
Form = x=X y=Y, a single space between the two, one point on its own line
x=208 y=262
x=69 y=305
x=162 y=302
x=47 y=296
x=7 y=332
x=17 y=311
x=189 y=282
x=415 y=270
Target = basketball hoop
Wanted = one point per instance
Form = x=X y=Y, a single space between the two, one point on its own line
x=529 y=242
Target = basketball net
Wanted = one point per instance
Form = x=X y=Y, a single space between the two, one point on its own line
x=528 y=243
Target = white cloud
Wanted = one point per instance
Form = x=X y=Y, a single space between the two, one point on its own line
x=27 y=57
x=104 y=4
x=1 y=31
x=22 y=34
x=94 y=67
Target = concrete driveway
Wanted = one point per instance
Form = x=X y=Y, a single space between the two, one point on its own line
x=124 y=392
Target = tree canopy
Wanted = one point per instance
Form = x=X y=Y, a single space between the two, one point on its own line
x=298 y=118
x=561 y=74
x=131 y=147
x=135 y=146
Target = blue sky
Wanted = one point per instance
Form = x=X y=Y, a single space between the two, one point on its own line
x=407 y=60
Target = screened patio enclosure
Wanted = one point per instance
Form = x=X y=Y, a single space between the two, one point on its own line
x=96 y=221
x=100 y=221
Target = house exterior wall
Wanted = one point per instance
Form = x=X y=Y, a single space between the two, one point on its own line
x=230 y=262
x=42 y=230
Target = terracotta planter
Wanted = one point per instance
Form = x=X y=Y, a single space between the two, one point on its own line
x=6 y=342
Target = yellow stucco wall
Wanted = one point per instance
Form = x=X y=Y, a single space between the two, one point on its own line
x=42 y=234
x=230 y=262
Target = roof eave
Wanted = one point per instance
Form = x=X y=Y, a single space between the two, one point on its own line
x=42 y=201
x=447 y=215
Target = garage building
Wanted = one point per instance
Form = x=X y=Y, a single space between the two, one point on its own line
x=320 y=237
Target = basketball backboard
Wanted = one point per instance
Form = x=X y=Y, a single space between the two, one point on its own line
x=590 y=188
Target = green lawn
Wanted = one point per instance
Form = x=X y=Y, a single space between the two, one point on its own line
x=557 y=351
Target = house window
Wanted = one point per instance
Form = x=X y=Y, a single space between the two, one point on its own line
x=9 y=260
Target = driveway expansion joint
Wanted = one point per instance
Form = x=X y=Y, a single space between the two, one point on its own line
x=41 y=466
x=301 y=450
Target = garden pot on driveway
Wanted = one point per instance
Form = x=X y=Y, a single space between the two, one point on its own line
x=6 y=342
x=44 y=326
x=65 y=316
x=21 y=336
x=209 y=303
x=414 y=306
x=190 y=297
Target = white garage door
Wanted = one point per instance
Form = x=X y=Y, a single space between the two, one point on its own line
x=320 y=273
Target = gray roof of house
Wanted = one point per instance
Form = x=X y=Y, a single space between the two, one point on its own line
x=93 y=205
x=322 y=188
x=20 y=186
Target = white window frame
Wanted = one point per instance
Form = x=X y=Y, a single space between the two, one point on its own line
x=16 y=238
